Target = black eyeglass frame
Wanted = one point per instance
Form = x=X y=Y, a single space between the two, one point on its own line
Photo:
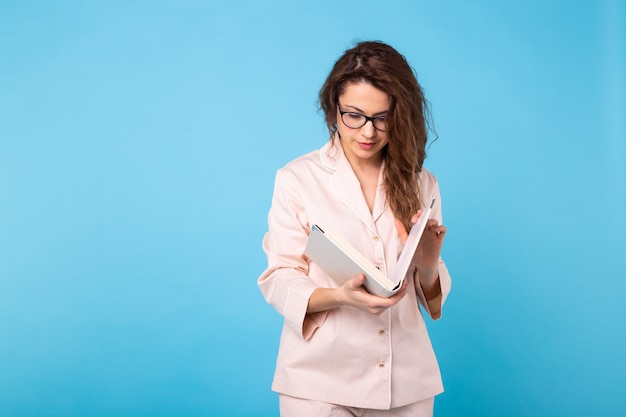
x=367 y=119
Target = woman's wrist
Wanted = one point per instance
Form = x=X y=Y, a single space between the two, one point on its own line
x=323 y=299
x=430 y=285
x=428 y=276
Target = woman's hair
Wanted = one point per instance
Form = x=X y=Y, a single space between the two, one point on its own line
x=385 y=68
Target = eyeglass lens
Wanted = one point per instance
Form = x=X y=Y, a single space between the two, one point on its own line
x=357 y=120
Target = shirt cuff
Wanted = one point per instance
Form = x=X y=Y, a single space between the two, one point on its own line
x=295 y=311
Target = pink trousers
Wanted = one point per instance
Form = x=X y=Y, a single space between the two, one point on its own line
x=299 y=407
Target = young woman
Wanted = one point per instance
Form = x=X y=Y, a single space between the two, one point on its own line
x=344 y=351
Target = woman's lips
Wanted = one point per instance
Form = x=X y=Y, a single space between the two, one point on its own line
x=366 y=146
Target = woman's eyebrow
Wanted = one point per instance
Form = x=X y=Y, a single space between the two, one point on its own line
x=361 y=111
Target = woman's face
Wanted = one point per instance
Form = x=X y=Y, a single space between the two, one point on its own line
x=362 y=144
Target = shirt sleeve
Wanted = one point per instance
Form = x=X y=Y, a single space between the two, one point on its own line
x=434 y=306
x=285 y=283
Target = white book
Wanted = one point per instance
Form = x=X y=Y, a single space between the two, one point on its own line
x=341 y=261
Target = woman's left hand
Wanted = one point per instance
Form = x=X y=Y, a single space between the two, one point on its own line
x=428 y=251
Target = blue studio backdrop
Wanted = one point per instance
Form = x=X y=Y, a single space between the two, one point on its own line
x=138 y=146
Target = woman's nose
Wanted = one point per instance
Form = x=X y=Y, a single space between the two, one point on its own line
x=368 y=129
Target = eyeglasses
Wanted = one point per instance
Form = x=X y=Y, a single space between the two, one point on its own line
x=355 y=120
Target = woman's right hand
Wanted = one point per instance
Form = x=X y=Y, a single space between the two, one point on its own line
x=353 y=294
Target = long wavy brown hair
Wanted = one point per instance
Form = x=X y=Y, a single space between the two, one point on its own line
x=408 y=118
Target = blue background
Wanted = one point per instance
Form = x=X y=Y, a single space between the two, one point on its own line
x=138 y=146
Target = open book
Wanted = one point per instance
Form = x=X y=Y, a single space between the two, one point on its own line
x=341 y=261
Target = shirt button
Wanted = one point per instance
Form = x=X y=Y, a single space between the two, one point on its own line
x=381 y=331
x=377 y=266
x=381 y=364
x=375 y=237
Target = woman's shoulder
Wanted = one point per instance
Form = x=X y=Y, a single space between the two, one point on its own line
x=306 y=164
x=426 y=177
x=428 y=185
x=310 y=158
